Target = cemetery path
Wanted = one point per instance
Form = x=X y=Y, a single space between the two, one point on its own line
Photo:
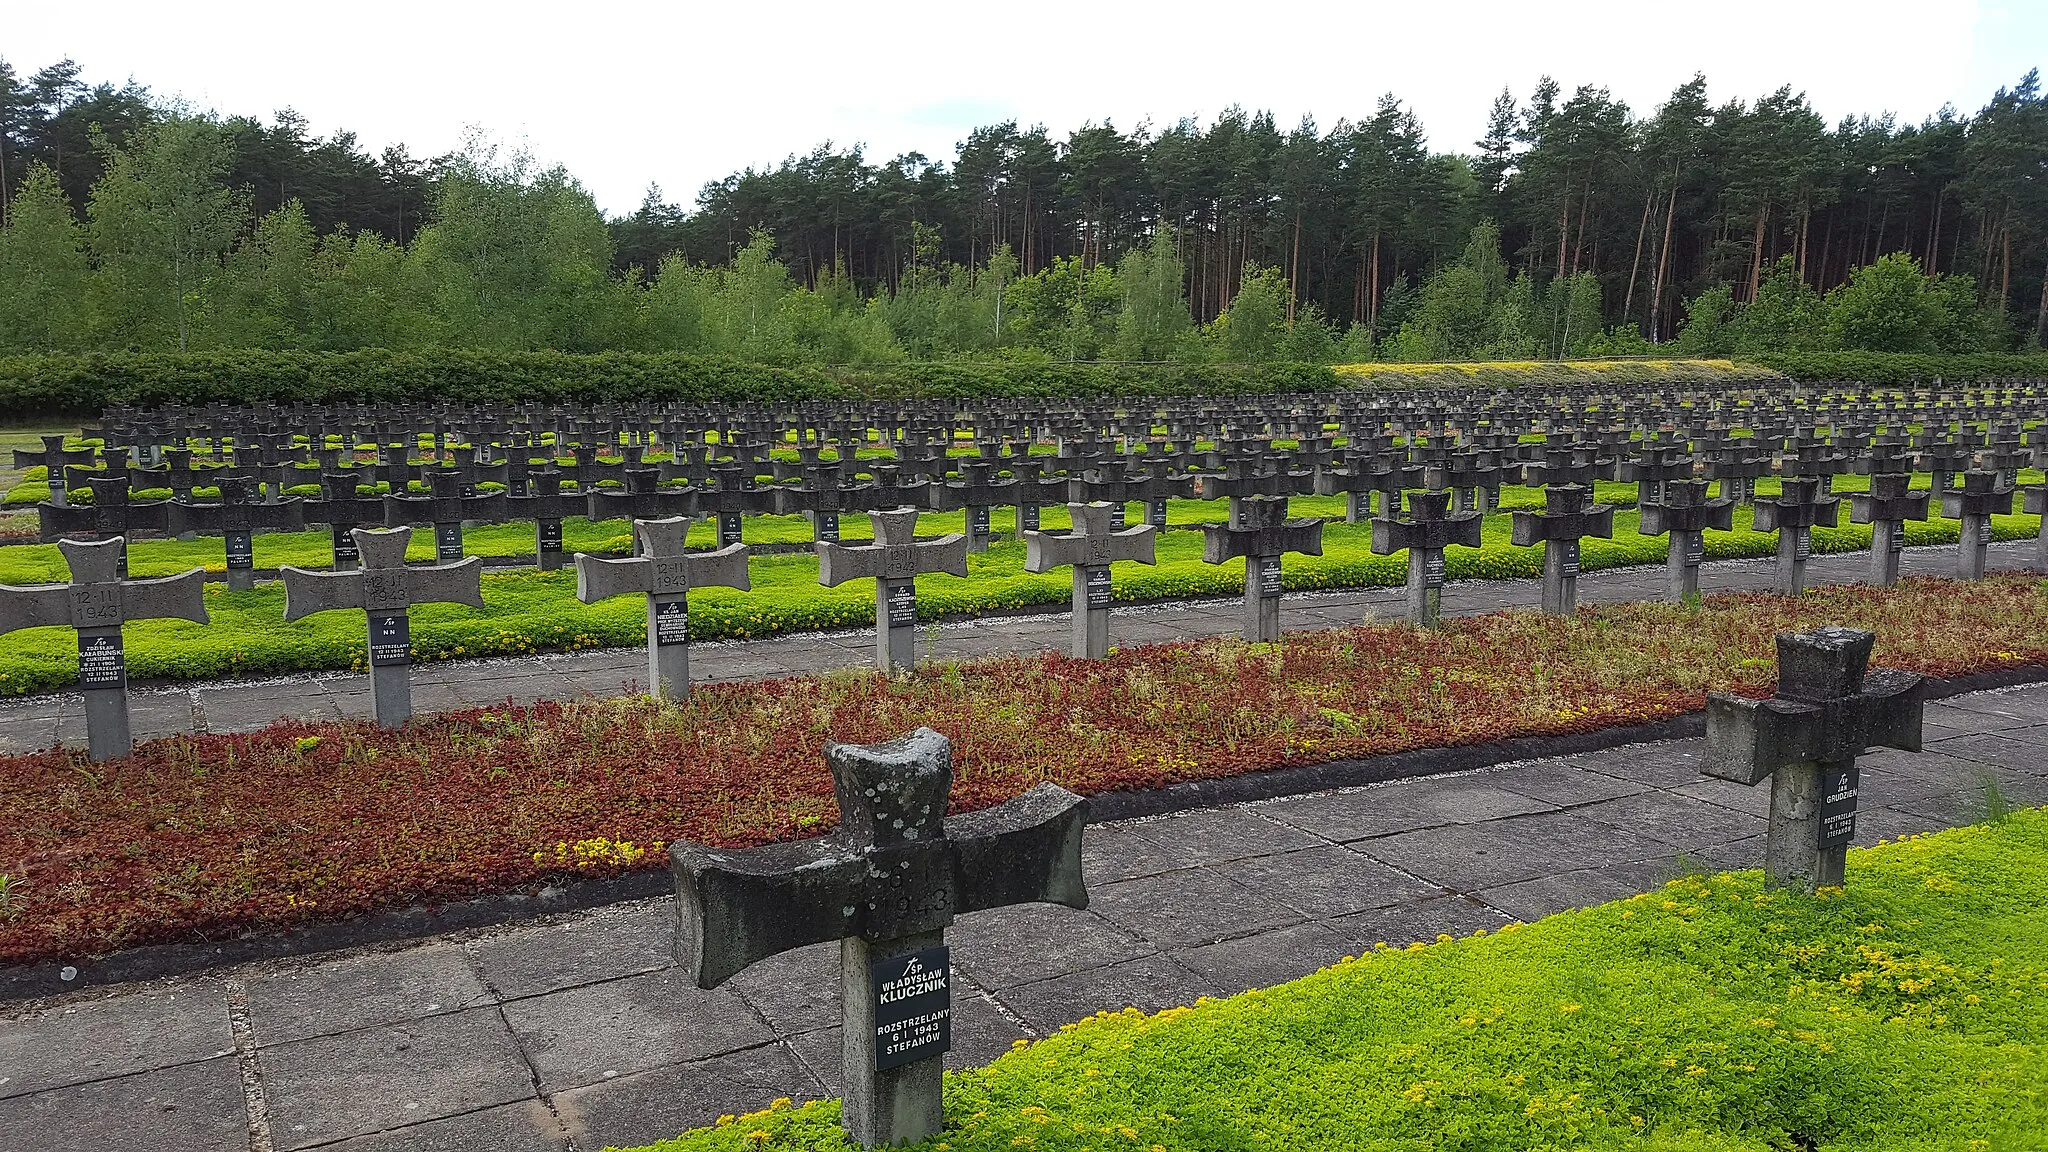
x=35 y=722
x=576 y=1032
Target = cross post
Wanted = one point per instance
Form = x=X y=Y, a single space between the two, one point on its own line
x=1980 y=496
x=976 y=492
x=2035 y=503
x=1367 y=475
x=886 y=885
x=54 y=457
x=96 y=603
x=1827 y=710
x=1568 y=516
x=237 y=517
x=1886 y=508
x=1262 y=535
x=547 y=506
x=1683 y=511
x=1429 y=529
x=1090 y=548
x=385 y=589
x=665 y=571
x=1793 y=515
x=893 y=561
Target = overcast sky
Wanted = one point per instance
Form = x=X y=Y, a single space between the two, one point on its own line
x=627 y=94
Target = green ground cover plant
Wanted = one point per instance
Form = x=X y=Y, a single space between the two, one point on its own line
x=1907 y=1010
x=528 y=611
x=209 y=835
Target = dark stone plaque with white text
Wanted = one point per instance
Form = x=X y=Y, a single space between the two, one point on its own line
x=390 y=639
x=913 y=1007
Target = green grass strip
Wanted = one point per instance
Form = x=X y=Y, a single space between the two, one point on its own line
x=1909 y=1011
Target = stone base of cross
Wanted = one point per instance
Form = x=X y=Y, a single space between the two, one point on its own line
x=1429 y=529
x=1090 y=548
x=894 y=561
x=1262 y=536
x=96 y=603
x=665 y=571
x=1803 y=505
x=1828 y=709
x=385 y=589
x=1684 y=513
x=886 y=885
x=1886 y=508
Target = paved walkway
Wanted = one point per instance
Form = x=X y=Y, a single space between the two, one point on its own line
x=35 y=722
x=575 y=1032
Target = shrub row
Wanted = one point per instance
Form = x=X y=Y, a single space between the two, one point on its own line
x=1895 y=368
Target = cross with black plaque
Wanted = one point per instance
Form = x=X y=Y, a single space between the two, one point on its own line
x=886 y=885
x=385 y=589
x=1684 y=512
x=2034 y=501
x=54 y=458
x=1262 y=535
x=1886 y=508
x=1365 y=476
x=1568 y=516
x=894 y=561
x=1793 y=515
x=664 y=571
x=1806 y=739
x=237 y=517
x=547 y=506
x=1429 y=529
x=1091 y=547
x=1980 y=496
x=976 y=492
x=343 y=509
x=96 y=602
x=111 y=515
x=450 y=501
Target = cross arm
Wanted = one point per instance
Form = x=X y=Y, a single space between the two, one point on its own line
x=598 y=578
x=734 y=908
x=838 y=563
x=725 y=568
x=307 y=591
x=34 y=606
x=180 y=597
x=1024 y=850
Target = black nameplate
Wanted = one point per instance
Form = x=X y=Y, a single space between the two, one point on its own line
x=1027 y=518
x=345 y=545
x=1568 y=560
x=1838 y=807
x=671 y=623
x=903 y=605
x=1898 y=543
x=1155 y=514
x=1116 y=514
x=549 y=535
x=1098 y=588
x=1433 y=570
x=241 y=551
x=728 y=528
x=390 y=640
x=913 y=1007
x=448 y=542
x=977 y=522
x=828 y=526
x=1984 y=530
x=1695 y=549
x=101 y=663
x=1269 y=577
x=1802 y=544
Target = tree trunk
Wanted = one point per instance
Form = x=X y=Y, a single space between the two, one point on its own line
x=1663 y=265
x=1294 y=268
x=2004 y=273
x=1372 y=290
x=1564 y=225
x=2041 y=316
x=1579 y=249
x=1635 y=265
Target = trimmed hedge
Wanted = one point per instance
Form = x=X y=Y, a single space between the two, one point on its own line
x=1897 y=368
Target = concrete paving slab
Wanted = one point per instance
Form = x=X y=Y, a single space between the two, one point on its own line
x=188 y=1108
x=1178 y=910
x=1005 y=947
x=627 y=1109
x=526 y=1126
x=575 y=1036
x=602 y=945
x=1325 y=881
x=361 y=992
x=1268 y=958
x=116 y=1035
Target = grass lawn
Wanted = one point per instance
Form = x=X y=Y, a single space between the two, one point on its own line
x=209 y=835
x=1906 y=1011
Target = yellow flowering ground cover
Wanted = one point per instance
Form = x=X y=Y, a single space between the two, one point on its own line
x=1909 y=1011
x=1539 y=373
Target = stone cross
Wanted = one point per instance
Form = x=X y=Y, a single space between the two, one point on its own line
x=385 y=589
x=1793 y=516
x=111 y=515
x=1262 y=535
x=237 y=517
x=976 y=492
x=445 y=508
x=1886 y=508
x=665 y=572
x=1365 y=476
x=54 y=457
x=1685 y=513
x=894 y=561
x=1428 y=531
x=1568 y=516
x=1980 y=496
x=886 y=885
x=547 y=506
x=342 y=510
x=1806 y=739
x=1091 y=547
x=96 y=603
x=2035 y=503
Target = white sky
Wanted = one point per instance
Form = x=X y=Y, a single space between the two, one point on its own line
x=625 y=94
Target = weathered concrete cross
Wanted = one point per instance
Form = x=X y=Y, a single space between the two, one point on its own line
x=1568 y=516
x=1091 y=547
x=894 y=561
x=886 y=885
x=96 y=603
x=1980 y=496
x=384 y=588
x=1261 y=534
x=1886 y=508
x=343 y=510
x=237 y=517
x=1427 y=532
x=1806 y=739
x=665 y=571
x=445 y=507
x=1685 y=512
x=1793 y=515
x=2035 y=503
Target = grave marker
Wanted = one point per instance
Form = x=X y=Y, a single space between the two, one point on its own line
x=893 y=561
x=1886 y=508
x=1980 y=496
x=2035 y=503
x=1806 y=739
x=1261 y=535
x=1568 y=516
x=1091 y=547
x=665 y=571
x=1428 y=531
x=886 y=885
x=1793 y=515
x=1685 y=513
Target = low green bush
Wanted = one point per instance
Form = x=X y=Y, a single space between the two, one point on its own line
x=1907 y=1011
x=1900 y=368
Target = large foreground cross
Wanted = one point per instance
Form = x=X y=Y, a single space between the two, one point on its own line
x=894 y=561
x=665 y=571
x=96 y=603
x=385 y=589
x=886 y=885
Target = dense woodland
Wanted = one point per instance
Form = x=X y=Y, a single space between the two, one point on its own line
x=1576 y=226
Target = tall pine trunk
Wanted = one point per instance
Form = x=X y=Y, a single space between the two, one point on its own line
x=1635 y=265
x=1663 y=264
